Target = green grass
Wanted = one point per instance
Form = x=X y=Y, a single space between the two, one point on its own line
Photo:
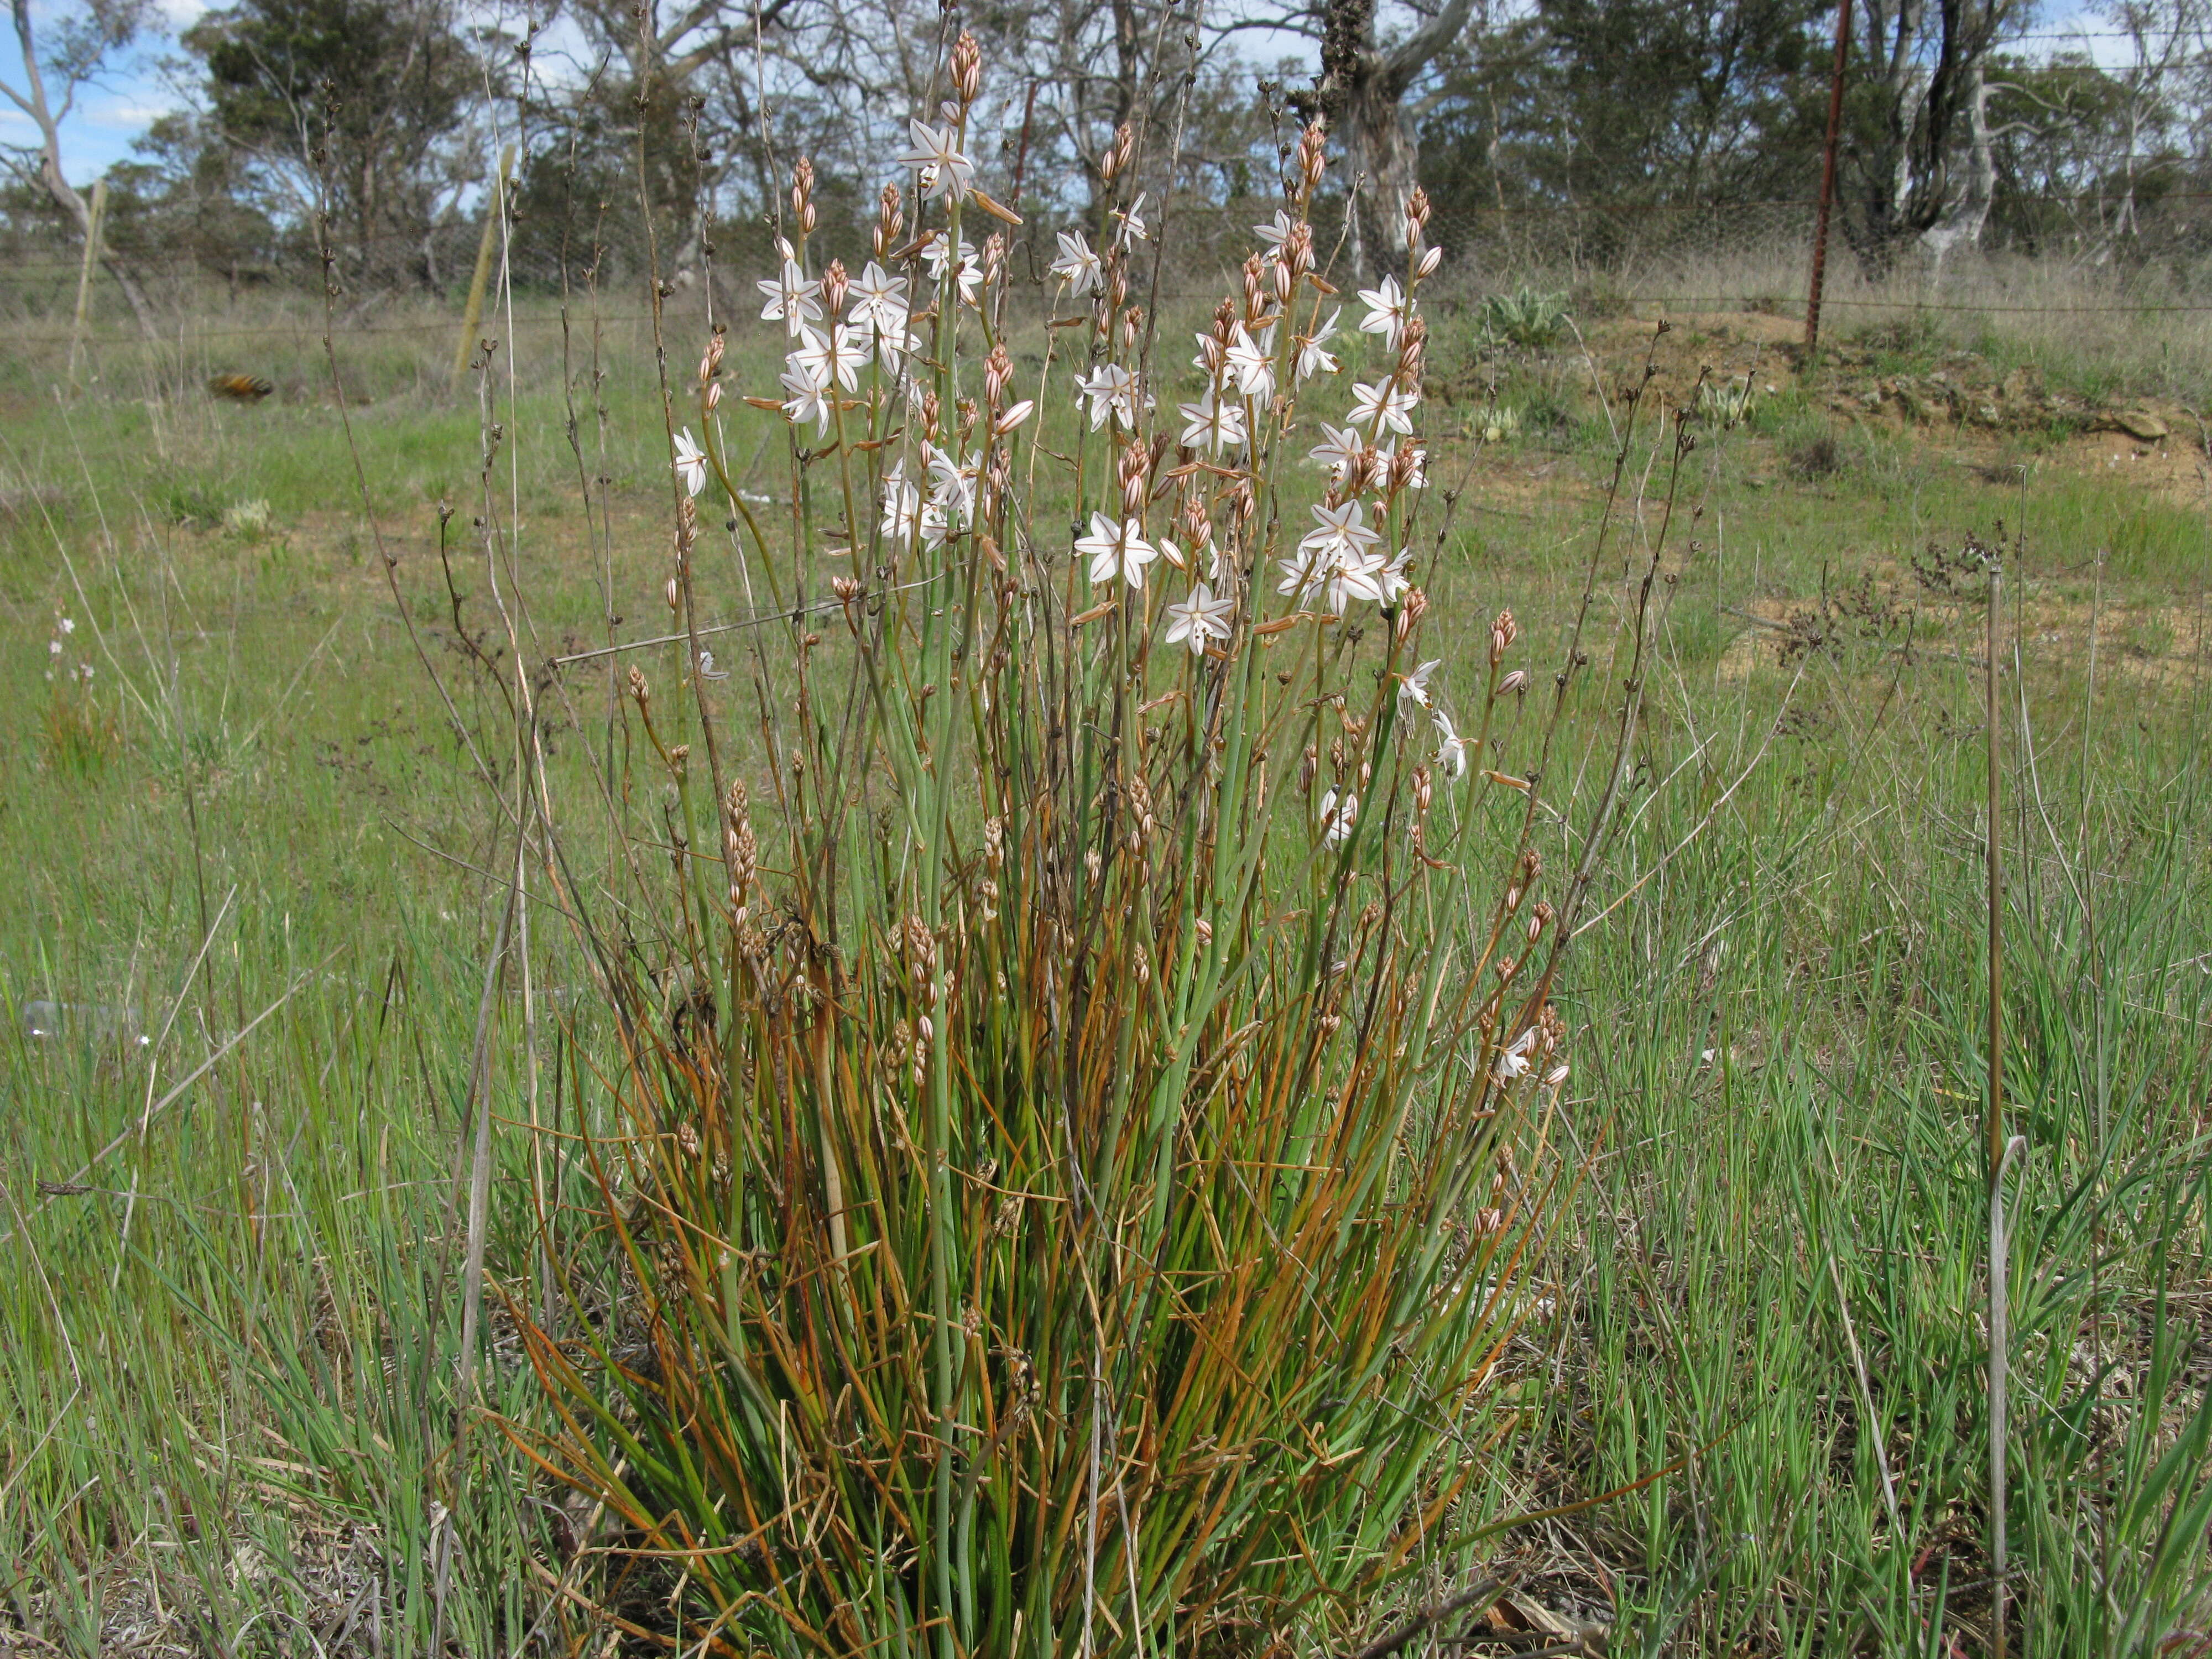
x=228 y=1411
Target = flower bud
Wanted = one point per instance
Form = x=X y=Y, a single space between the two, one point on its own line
x=802 y=196
x=1312 y=161
x=1413 y=605
x=890 y=221
x=835 y=286
x=966 y=68
x=1119 y=153
x=673 y=595
x=1514 y=684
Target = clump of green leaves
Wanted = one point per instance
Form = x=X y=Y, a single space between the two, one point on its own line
x=1083 y=1101
x=1533 y=318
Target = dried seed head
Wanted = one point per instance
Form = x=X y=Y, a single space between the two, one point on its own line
x=1140 y=803
x=966 y=68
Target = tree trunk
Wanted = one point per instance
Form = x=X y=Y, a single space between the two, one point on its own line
x=1362 y=90
x=50 y=167
x=1963 y=221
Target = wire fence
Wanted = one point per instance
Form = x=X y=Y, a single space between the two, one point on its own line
x=2079 y=257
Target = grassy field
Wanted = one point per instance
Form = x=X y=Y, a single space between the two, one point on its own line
x=250 y=904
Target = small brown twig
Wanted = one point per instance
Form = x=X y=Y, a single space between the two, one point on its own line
x=1486 y=1591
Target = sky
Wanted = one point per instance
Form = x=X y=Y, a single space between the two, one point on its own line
x=109 y=117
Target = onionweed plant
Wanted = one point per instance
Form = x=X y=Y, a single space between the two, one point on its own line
x=1085 y=1049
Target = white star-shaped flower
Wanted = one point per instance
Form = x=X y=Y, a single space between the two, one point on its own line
x=879 y=302
x=1078 y=265
x=970 y=273
x=805 y=401
x=1387 y=307
x=936 y=156
x=1116 y=550
x=1274 y=232
x=1312 y=358
x=1341 y=534
x=1414 y=687
x=1213 y=423
x=1199 y=618
x=1338 y=816
x=1133 y=222
x=834 y=354
x=1111 y=390
x=1389 y=576
x=691 y=463
x=1340 y=447
x=952 y=482
x=1383 y=408
x=901 y=506
x=791 y=298
x=1451 y=750
x=1251 y=362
